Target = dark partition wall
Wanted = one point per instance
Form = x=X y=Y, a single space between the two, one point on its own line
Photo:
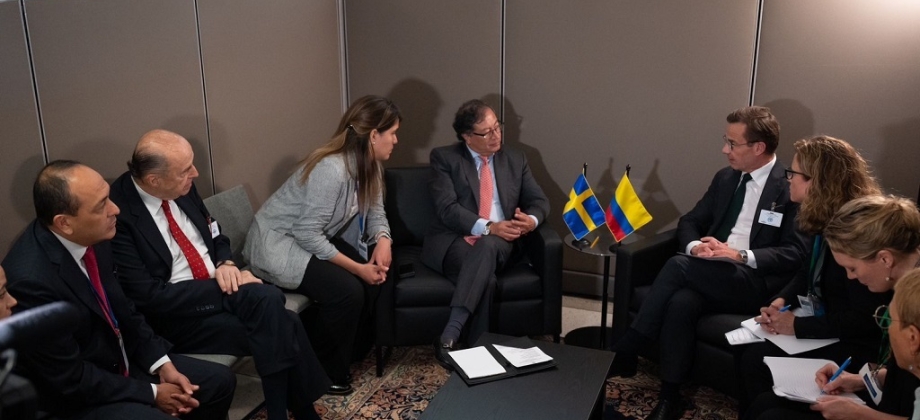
x=108 y=71
x=20 y=136
x=429 y=57
x=274 y=86
x=851 y=70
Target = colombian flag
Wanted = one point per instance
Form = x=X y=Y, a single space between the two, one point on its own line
x=626 y=213
x=583 y=213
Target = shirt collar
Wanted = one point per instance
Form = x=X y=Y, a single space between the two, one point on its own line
x=761 y=174
x=76 y=250
x=152 y=203
x=477 y=155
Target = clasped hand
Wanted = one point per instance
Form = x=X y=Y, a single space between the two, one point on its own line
x=174 y=392
x=510 y=230
x=776 y=321
x=230 y=278
x=713 y=248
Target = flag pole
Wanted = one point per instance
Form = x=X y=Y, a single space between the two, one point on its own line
x=582 y=243
x=584 y=170
x=627 y=170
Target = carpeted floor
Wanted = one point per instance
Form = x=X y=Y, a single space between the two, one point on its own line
x=413 y=377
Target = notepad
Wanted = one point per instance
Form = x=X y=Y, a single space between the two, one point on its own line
x=789 y=343
x=477 y=362
x=794 y=379
x=742 y=336
x=522 y=357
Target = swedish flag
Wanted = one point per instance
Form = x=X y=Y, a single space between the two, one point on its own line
x=583 y=213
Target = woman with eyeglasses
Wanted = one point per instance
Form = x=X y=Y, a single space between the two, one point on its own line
x=826 y=173
x=877 y=240
x=324 y=233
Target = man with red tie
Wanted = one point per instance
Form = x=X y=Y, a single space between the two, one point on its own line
x=178 y=269
x=111 y=365
x=486 y=199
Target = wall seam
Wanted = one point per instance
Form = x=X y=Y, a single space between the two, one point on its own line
x=756 y=57
x=502 y=76
x=204 y=95
x=343 y=54
x=38 y=106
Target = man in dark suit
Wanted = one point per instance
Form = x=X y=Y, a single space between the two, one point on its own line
x=745 y=216
x=486 y=199
x=111 y=365
x=179 y=271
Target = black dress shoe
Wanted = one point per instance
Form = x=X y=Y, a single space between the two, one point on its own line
x=441 y=347
x=623 y=365
x=340 y=389
x=667 y=409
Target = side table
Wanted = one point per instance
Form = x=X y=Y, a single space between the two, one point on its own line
x=596 y=243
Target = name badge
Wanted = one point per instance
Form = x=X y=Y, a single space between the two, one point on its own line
x=806 y=305
x=868 y=376
x=771 y=218
x=215 y=230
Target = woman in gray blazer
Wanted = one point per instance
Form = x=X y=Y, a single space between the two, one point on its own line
x=312 y=235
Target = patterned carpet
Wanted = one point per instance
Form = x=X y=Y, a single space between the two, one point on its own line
x=413 y=377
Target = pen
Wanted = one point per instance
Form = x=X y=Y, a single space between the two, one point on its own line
x=839 y=370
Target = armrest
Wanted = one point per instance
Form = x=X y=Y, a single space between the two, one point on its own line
x=637 y=265
x=544 y=250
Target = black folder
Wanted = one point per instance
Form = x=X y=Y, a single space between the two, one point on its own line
x=510 y=370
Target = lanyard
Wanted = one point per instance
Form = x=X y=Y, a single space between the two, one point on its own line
x=814 y=275
x=103 y=302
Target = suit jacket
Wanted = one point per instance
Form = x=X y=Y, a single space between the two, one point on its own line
x=296 y=222
x=454 y=189
x=81 y=368
x=779 y=251
x=144 y=260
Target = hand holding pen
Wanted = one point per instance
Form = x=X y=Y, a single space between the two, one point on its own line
x=776 y=318
x=839 y=381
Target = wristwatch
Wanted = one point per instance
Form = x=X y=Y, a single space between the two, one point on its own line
x=744 y=256
x=488 y=229
x=225 y=262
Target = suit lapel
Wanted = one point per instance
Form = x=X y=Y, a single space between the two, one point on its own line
x=503 y=177
x=145 y=224
x=69 y=272
x=772 y=190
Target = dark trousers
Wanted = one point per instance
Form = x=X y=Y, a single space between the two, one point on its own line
x=472 y=268
x=345 y=307
x=217 y=384
x=686 y=288
x=255 y=322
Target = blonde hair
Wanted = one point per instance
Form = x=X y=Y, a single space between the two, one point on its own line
x=866 y=225
x=352 y=139
x=838 y=174
x=907 y=298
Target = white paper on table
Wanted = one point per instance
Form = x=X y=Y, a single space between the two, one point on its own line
x=788 y=343
x=522 y=357
x=476 y=362
x=742 y=336
x=794 y=378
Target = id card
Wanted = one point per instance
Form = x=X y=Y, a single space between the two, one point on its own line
x=215 y=230
x=868 y=376
x=805 y=306
x=771 y=218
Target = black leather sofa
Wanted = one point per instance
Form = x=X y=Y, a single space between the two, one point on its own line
x=637 y=265
x=414 y=310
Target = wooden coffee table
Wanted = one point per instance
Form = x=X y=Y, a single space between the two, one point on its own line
x=574 y=389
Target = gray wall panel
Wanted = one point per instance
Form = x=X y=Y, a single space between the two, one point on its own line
x=429 y=57
x=617 y=83
x=848 y=69
x=273 y=84
x=20 y=137
x=108 y=71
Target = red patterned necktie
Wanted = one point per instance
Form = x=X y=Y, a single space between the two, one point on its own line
x=485 y=194
x=92 y=270
x=195 y=262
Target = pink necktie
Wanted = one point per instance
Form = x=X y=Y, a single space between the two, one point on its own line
x=195 y=262
x=485 y=194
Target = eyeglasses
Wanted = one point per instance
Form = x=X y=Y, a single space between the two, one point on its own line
x=789 y=173
x=732 y=145
x=883 y=318
x=497 y=129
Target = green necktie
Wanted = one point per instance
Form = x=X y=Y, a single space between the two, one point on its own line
x=734 y=208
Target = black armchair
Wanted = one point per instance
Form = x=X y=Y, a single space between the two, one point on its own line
x=637 y=265
x=414 y=310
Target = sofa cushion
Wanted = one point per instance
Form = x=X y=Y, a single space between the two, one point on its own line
x=408 y=204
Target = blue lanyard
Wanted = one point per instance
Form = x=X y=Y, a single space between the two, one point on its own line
x=103 y=302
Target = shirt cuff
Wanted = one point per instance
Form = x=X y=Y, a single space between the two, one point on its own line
x=536 y=222
x=160 y=362
x=691 y=245
x=154 y=386
x=752 y=260
x=479 y=227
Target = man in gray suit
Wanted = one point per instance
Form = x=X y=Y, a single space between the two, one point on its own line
x=486 y=199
